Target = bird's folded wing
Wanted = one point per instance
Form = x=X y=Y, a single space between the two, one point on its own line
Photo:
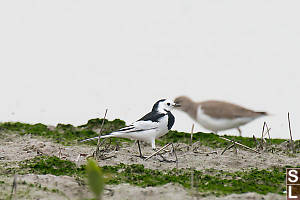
x=220 y=109
x=138 y=126
x=135 y=127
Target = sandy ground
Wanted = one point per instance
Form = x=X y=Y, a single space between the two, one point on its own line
x=17 y=148
x=69 y=189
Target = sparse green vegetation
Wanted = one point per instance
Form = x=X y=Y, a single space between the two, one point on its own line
x=23 y=190
x=209 y=139
x=254 y=180
x=210 y=181
x=51 y=165
x=66 y=134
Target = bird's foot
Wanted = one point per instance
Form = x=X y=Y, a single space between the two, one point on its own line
x=142 y=157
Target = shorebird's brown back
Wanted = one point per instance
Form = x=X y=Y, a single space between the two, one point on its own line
x=221 y=109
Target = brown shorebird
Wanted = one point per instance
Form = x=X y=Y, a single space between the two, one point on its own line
x=217 y=115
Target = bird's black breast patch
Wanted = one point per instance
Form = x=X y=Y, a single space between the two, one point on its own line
x=171 y=120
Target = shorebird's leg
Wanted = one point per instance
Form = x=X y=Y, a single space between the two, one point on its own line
x=240 y=132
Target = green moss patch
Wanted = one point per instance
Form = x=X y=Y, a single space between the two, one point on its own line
x=210 y=139
x=221 y=183
x=66 y=133
x=51 y=165
x=210 y=181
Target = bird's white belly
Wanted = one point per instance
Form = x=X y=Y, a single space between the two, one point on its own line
x=152 y=134
x=215 y=124
x=146 y=136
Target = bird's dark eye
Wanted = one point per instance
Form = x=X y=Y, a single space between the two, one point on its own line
x=168 y=104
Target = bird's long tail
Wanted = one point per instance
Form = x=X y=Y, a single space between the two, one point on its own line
x=89 y=139
x=263 y=113
x=113 y=134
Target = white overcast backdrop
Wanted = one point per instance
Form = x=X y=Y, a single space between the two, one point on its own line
x=66 y=61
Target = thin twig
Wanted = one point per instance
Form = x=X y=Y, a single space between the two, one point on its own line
x=256 y=142
x=13 y=187
x=102 y=126
x=175 y=155
x=108 y=157
x=204 y=153
x=236 y=150
x=292 y=142
x=227 y=148
x=98 y=143
x=158 y=151
x=268 y=131
x=59 y=153
x=192 y=179
x=262 y=134
x=111 y=192
x=239 y=144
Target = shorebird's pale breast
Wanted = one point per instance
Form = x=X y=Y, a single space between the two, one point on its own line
x=218 y=124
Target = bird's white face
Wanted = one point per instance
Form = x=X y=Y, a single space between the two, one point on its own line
x=166 y=105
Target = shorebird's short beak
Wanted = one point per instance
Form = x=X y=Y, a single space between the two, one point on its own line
x=176 y=105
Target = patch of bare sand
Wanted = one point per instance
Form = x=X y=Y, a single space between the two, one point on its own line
x=67 y=188
x=17 y=148
x=27 y=191
x=176 y=192
x=248 y=196
x=14 y=147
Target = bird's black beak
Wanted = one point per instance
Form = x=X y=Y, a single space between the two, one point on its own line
x=176 y=105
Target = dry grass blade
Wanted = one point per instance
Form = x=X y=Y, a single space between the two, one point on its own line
x=192 y=178
x=262 y=134
x=101 y=127
x=174 y=151
x=59 y=152
x=227 y=148
x=13 y=187
x=292 y=142
x=256 y=142
x=158 y=151
x=268 y=132
x=97 y=152
x=234 y=142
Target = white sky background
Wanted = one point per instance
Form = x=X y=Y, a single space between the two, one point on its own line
x=66 y=61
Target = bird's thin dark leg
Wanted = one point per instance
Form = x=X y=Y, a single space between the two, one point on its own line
x=240 y=132
x=141 y=155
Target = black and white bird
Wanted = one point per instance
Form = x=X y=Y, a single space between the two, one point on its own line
x=153 y=125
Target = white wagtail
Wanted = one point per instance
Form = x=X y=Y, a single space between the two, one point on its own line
x=153 y=125
x=217 y=115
